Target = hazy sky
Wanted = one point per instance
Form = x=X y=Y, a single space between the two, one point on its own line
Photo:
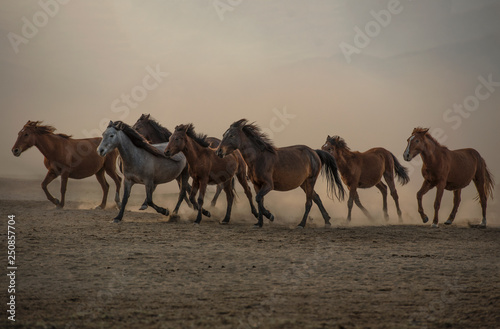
x=220 y=62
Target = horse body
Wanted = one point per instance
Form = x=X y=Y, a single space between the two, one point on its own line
x=207 y=169
x=448 y=170
x=281 y=169
x=68 y=158
x=143 y=163
x=365 y=170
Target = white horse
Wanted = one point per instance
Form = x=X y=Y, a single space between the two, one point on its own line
x=143 y=163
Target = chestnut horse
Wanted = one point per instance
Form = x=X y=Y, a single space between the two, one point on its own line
x=451 y=170
x=155 y=133
x=280 y=169
x=68 y=158
x=364 y=170
x=206 y=168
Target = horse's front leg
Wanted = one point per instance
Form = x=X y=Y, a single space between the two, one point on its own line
x=228 y=189
x=48 y=179
x=259 y=198
x=426 y=186
x=150 y=187
x=456 y=203
x=437 y=203
x=127 y=187
x=64 y=184
x=144 y=205
x=201 y=196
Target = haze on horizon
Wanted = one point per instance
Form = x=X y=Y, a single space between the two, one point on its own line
x=254 y=60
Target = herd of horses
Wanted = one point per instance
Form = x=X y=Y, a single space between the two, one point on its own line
x=149 y=154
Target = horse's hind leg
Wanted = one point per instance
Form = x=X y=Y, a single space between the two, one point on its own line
x=389 y=178
x=105 y=187
x=48 y=179
x=353 y=195
x=324 y=213
x=248 y=192
x=144 y=205
x=481 y=190
x=218 y=190
x=383 y=189
x=228 y=189
x=456 y=203
x=64 y=184
x=307 y=186
x=149 y=196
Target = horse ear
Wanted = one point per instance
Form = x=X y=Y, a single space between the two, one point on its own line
x=110 y=124
x=147 y=116
x=425 y=130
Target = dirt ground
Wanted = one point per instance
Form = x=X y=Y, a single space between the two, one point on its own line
x=76 y=269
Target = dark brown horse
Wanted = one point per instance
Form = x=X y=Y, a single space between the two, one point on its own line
x=280 y=169
x=68 y=158
x=155 y=133
x=206 y=168
x=451 y=170
x=364 y=170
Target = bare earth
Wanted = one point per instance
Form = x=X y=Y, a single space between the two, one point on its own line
x=78 y=270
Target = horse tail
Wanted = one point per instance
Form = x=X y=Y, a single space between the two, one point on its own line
x=330 y=170
x=400 y=171
x=489 y=182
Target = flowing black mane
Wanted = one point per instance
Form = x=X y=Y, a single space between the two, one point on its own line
x=43 y=129
x=163 y=132
x=338 y=141
x=136 y=138
x=198 y=138
x=255 y=134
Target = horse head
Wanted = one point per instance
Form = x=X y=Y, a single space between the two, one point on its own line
x=416 y=143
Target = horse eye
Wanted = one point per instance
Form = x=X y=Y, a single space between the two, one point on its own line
x=111 y=136
x=25 y=135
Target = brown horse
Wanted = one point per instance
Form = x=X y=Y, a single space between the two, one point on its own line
x=206 y=168
x=155 y=133
x=280 y=169
x=364 y=170
x=451 y=170
x=68 y=158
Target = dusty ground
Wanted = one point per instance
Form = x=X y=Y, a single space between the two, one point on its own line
x=78 y=270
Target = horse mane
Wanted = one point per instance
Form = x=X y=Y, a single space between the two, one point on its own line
x=136 y=138
x=198 y=138
x=162 y=131
x=256 y=135
x=425 y=132
x=338 y=142
x=40 y=129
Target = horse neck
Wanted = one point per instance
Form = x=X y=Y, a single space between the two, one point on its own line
x=156 y=137
x=191 y=151
x=249 y=151
x=342 y=156
x=431 y=155
x=126 y=148
x=47 y=144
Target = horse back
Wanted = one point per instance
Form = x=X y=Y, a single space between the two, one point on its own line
x=293 y=165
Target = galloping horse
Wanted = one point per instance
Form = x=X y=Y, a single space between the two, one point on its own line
x=280 y=169
x=451 y=170
x=155 y=133
x=68 y=158
x=206 y=168
x=143 y=163
x=364 y=170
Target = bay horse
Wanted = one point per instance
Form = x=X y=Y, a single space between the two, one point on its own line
x=69 y=158
x=143 y=163
x=206 y=168
x=450 y=170
x=155 y=133
x=281 y=169
x=366 y=169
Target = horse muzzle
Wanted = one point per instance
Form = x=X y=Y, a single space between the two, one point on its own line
x=407 y=157
x=17 y=152
x=220 y=153
x=167 y=153
x=101 y=152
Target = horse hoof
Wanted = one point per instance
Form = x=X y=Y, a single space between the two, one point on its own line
x=116 y=220
x=174 y=218
x=99 y=207
x=206 y=213
x=434 y=225
x=165 y=212
x=257 y=225
x=224 y=222
x=299 y=227
x=143 y=207
x=448 y=222
x=328 y=225
x=425 y=219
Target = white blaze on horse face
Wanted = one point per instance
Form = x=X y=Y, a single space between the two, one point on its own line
x=407 y=151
